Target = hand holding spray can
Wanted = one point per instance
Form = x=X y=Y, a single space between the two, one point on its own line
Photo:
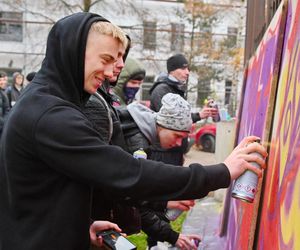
x=212 y=104
x=245 y=187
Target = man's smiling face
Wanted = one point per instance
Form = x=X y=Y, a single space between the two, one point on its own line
x=100 y=55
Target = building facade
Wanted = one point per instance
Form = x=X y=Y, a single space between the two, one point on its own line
x=158 y=30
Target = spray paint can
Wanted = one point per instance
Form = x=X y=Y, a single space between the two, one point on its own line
x=214 y=105
x=140 y=154
x=196 y=242
x=245 y=187
x=173 y=213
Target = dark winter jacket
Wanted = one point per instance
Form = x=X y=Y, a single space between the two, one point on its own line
x=13 y=94
x=104 y=118
x=51 y=157
x=136 y=137
x=4 y=108
x=162 y=86
x=12 y=91
x=101 y=118
x=165 y=85
x=139 y=126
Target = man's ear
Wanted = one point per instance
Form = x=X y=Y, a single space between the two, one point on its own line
x=158 y=130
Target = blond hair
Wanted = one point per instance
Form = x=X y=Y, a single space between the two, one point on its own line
x=106 y=28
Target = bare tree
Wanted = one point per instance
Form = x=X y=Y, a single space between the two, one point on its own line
x=210 y=54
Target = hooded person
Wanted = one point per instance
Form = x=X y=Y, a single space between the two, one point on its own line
x=4 y=102
x=130 y=80
x=50 y=165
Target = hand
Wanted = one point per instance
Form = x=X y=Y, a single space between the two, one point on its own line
x=186 y=241
x=206 y=112
x=98 y=226
x=181 y=205
x=238 y=161
x=210 y=109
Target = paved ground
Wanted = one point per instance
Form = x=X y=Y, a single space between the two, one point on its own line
x=203 y=218
x=195 y=155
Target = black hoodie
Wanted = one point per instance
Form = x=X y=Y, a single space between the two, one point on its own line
x=51 y=157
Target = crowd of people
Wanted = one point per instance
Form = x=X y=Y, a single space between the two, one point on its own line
x=67 y=169
x=9 y=93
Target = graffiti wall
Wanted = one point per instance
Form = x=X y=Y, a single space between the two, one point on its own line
x=279 y=226
x=271 y=109
x=255 y=119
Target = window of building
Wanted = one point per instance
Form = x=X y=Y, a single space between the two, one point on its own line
x=11 y=28
x=177 y=37
x=232 y=36
x=149 y=35
x=146 y=86
x=228 y=88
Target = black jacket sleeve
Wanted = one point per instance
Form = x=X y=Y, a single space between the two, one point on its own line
x=159 y=206
x=1 y=125
x=85 y=158
x=196 y=117
x=156 y=227
x=157 y=94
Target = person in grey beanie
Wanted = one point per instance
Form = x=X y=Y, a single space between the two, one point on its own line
x=174 y=82
x=175 y=113
x=168 y=127
x=143 y=127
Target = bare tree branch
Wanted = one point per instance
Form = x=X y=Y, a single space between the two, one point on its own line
x=71 y=7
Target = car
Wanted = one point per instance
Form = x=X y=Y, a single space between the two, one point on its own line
x=204 y=137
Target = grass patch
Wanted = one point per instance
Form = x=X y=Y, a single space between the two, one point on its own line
x=140 y=240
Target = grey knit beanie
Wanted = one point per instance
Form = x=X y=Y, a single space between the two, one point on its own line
x=175 y=113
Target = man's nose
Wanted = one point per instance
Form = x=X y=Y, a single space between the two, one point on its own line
x=121 y=64
x=108 y=71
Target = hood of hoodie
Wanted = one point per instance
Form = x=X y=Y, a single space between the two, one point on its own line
x=132 y=68
x=145 y=119
x=62 y=69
